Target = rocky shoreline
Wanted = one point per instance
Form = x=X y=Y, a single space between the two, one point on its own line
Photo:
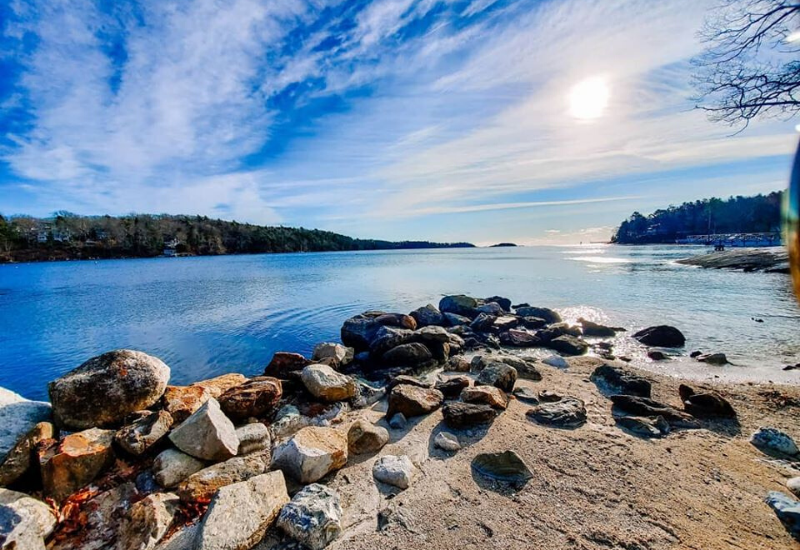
x=767 y=260
x=428 y=428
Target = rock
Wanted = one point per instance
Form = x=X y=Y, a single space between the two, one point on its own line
x=288 y=421
x=556 y=361
x=617 y=380
x=519 y=338
x=569 y=345
x=145 y=432
x=793 y=485
x=311 y=454
x=172 y=466
x=313 y=517
x=408 y=380
x=256 y=398
x=498 y=375
x=428 y=316
x=713 y=358
x=644 y=427
x=705 y=404
x=486 y=395
x=208 y=434
x=220 y=384
x=284 y=363
x=431 y=334
x=366 y=395
x=412 y=354
x=458 y=363
x=505 y=323
x=100 y=520
x=398 y=421
x=525 y=368
x=787 y=509
x=387 y=338
x=459 y=304
x=532 y=323
x=559 y=329
x=183 y=539
x=455 y=320
x=695 y=354
x=326 y=384
x=656 y=355
x=451 y=387
x=397 y=471
x=396 y=320
x=365 y=437
x=201 y=485
x=359 y=331
x=458 y=415
x=446 y=441
x=547 y=396
x=569 y=412
x=596 y=330
x=504 y=303
x=240 y=514
x=643 y=406
x=505 y=466
x=547 y=314
x=332 y=354
x=128 y=381
x=662 y=336
x=24 y=521
x=413 y=401
x=18 y=460
x=253 y=438
x=75 y=461
x=775 y=441
x=147 y=522
x=182 y=401
x=492 y=309
x=526 y=395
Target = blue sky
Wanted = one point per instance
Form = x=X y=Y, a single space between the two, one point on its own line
x=390 y=119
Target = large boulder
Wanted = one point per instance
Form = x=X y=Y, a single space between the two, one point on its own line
x=662 y=336
x=359 y=331
x=147 y=522
x=240 y=514
x=365 y=437
x=619 y=381
x=146 y=431
x=75 y=461
x=547 y=314
x=208 y=434
x=398 y=471
x=459 y=304
x=19 y=418
x=201 y=485
x=387 y=338
x=332 y=354
x=428 y=316
x=412 y=354
x=172 y=466
x=256 y=398
x=326 y=384
x=127 y=380
x=24 y=521
x=596 y=330
x=313 y=517
x=643 y=406
x=283 y=363
x=311 y=454
x=220 y=384
x=181 y=401
x=413 y=401
x=569 y=345
x=458 y=415
x=499 y=375
x=569 y=412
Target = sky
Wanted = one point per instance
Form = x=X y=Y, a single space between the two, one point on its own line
x=480 y=120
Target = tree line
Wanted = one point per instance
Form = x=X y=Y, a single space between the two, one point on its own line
x=758 y=214
x=70 y=236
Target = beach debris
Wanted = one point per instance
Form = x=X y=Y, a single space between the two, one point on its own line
x=201 y=485
x=365 y=437
x=773 y=440
x=311 y=454
x=75 y=461
x=397 y=471
x=447 y=442
x=505 y=466
x=621 y=381
x=145 y=432
x=487 y=395
x=499 y=375
x=208 y=434
x=413 y=400
x=458 y=415
x=172 y=466
x=313 y=517
x=569 y=412
x=661 y=336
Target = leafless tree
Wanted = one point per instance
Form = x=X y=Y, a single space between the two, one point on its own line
x=751 y=63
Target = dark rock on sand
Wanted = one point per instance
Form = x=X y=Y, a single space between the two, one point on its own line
x=547 y=314
x=498 y=375
x=705 y=403
x=451 y=388
x=657 y=355
x=458 y=415
x=569 y=412
x=505 y=466
x=597 y=330
x=643 y=406
x=526 y=395
x=663 y=336
x=569 y=345
x=618 y=380
x=643 y=426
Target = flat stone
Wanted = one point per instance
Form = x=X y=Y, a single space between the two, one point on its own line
x=365 y=437
x=643 y=406
x=526 y=395
x=256 y=398
x=713 y=358
x=324 y=383
x=406 y=379
x=220 y=384
x=332 y=354
x=556 y=361
x=201 y=485
x=487 y=395
x=451 y=387
x=253 y=438
x=311 y=454
x=570 y=412
x=499 y=375
x=774 y=440
x=24 y=521
x=447 y=442
x=240 y=514
x=459 y=415
x=620 y=381
x=549 y=396
x=208 y=434
x=504 y=466
x=397 y=471
x=147 y=522
x=284 y=363
x=644 y=426
x=172 y=466
x=145 y=432
x=413 y=400
x=505 y=322
x=127 y=380
x=182 y=401
x=75 y=461
x=19 y=459
x=313 y=517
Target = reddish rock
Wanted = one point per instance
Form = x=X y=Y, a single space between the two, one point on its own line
x=182 y=401
x=487 y=395
x=284 y=362
x=220 y=384
x=75 y=461
x=256 y=398
x=413 y=401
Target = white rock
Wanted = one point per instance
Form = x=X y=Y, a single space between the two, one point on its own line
x=253 y=438
x=208 y=434
x=24 y=521
x=313 y=517
x=311 y=454
x=394 y=470
x=240 y=514
x=330 y=353
x=18 y=416
x=446 y=441
x=793 y=485
x=147 y=522
x=324 y=383
x=772 y=439
x=556 y=361
x=172 y=466
x=182 y=540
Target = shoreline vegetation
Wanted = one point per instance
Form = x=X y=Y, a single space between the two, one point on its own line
x=68 y=236
x=430 y=429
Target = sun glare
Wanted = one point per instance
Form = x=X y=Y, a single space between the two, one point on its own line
x=588 y=99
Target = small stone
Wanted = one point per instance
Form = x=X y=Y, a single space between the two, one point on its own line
x=397 y=471
x=413 y=401
x=548 y=396
x=181 y=401
x=487 y=395
x=713 y=358
x=332 y=354
x=172 y=466
x=284 y=363
x=774 y=440
x=240 y=514
x=657 y=355
x=793 y=485
x=451 y=387
x=75 y=461
x=459 y=415
x=447 y=442
x=18 y=460
x=570 y=412
x=208 y=434
x=201 y=485
x=326 y=384
x=505 y=322
x=457 y=363
x=556 y=361
x=256 y=398
x=313 y=517
x=498 y=375
x=388 y=338
x=787 y=509
x=311 y=454
x=147 y=522
x=505 y=466
x=145 y=432
x=24 y=521
x=365 y=437
x=643 y=426
x=253 y=438
x=526 y=395
x=220 y=384
x=398 y=421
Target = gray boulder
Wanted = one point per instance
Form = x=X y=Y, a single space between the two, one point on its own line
x=172 y=466
x=311 y=454
x=774 y=440
x=458 y=304
x=428 y=316
x=145 y=432
x=208 y=434
x=201 y=485
x=253 y=438
x=18 y=460
x=127 y=380
x=332 y=354
x=313 y=517
x=398 y=471
x=569 y=412
x=19 y=418
x=498 y=375
x=147 y=522
x=326 y=384
x=24 y=521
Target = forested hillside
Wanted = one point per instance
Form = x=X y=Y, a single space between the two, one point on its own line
x=69 y=236
x=758 y=214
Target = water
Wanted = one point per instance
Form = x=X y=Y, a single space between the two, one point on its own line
x=211 y=315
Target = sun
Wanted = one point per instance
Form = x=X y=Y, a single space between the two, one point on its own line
x=588 y=99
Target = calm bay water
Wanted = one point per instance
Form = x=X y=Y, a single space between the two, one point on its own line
x=210 y=315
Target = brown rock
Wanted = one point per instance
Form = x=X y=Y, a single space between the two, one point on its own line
x=19 y=459
x=487 y=395
x=284 y=362
x=147 y=522
x=451 y=388
x=253 y=399
x=148 y=430
x=201 y=485
x=458 y=415
x=413 y=401
x=182 y=401
x=75 y=461
x=220 y=384
x=365 y=437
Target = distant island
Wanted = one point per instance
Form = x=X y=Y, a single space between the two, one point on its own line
x=501 y=245
x=756 y=218
x=67 y=236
